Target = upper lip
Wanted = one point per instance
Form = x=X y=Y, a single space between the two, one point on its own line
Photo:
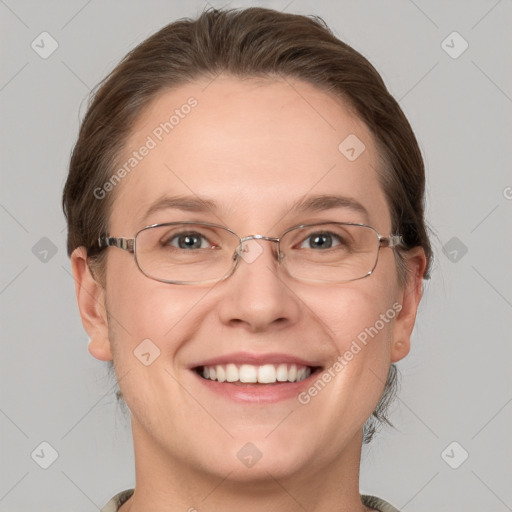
x=255 y=359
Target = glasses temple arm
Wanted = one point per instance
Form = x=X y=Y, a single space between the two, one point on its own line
x=392 y=241
x=127 y=244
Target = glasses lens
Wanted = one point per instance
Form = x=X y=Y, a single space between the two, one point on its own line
x=330 y=252
x=185 y=252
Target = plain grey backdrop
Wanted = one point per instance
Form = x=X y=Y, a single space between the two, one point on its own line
x=448 y=64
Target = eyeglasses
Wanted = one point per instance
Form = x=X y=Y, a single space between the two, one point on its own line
x=201 y=253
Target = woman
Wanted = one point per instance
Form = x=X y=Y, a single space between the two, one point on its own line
x=247 y=235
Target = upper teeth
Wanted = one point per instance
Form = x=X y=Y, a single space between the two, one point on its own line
x=248 y=373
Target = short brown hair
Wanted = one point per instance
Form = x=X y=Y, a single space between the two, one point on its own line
x=254 y=42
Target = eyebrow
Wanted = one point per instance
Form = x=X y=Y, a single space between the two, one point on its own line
x=308 y=204
x=185 y=203
x=328 y=202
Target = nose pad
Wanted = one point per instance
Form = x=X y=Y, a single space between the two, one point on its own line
x=250 y=250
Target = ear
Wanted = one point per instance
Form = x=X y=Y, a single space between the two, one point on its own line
x=91 y=303
x=409 y=300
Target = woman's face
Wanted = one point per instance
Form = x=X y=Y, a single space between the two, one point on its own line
x=254 y=150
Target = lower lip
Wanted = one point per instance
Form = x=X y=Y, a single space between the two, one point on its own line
x=258 y=393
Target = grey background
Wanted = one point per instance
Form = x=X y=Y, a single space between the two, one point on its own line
x=456 y=383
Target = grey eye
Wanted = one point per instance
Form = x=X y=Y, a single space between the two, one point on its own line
x=320 y=241
x=191 y=240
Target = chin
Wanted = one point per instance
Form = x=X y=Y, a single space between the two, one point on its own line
x=258 y=459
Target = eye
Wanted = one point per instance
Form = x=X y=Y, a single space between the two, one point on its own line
x=321 y=240
x=187 y=240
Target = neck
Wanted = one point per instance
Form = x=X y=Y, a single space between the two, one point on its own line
x=169 y=485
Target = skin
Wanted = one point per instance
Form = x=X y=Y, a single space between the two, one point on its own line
x=255 y=148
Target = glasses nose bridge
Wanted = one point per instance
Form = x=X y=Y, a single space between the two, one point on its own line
x=244 y=239
x=259 y=237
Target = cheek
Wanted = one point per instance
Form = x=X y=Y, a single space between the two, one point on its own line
x=359 y=319
x=356 y=316
x=143 y=308
x=149 y=322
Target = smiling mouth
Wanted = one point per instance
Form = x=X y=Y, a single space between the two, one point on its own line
x=256 y=374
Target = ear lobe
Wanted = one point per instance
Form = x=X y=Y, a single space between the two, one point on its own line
x=90 y=296
x=409 y=299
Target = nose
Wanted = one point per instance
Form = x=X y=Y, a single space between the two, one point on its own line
x=258 y=295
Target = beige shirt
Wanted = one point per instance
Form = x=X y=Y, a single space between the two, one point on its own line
x=370 y=501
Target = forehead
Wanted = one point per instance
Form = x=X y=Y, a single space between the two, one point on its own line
x=252 y=148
